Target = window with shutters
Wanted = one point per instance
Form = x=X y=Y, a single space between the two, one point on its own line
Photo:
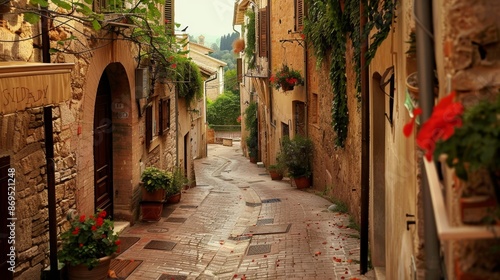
x=169 y=15
x=164 y=112
x=153 y=119
x=149 y=125
x=263 y=34
x=299 y=14
x=103 y=6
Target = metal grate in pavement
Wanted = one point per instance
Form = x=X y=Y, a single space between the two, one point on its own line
x=157 y=230
x=172 y=277
x=259 y=249
x=176 y=220
x=160 y=245
x=268 y=229
x=265 y=221
x=189 y=206
x=253 y=204
x=271 y=200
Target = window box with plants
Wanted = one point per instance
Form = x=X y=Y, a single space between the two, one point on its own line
x=297 y=155
x=286 y=78
x=469 y=140
x=154 y=183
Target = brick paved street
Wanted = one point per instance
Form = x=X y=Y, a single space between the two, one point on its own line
x=239 y=224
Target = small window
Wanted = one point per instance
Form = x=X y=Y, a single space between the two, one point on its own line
x=164 y=110
x=263 y=36
x=299 y=14
x=285 y=130
x=149 y=125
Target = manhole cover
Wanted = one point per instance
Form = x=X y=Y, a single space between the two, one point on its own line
x=265 y=221
x=259 y=249
x=160 y=245
x=157 y=230
x=268 y=229
x=172 y=277
x=252 y=204
x=175 y=220
x=271 y=200
x=188 y=206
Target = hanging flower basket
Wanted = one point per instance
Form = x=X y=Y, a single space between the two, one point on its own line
x=286 y=78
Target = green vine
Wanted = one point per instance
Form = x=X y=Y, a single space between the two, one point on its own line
x=250 y=39
x=188 y=78
x=327 y=28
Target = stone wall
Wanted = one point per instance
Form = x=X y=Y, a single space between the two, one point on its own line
x=27 y=152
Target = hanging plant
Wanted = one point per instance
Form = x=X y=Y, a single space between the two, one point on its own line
x=327 y=27
x=286 y=78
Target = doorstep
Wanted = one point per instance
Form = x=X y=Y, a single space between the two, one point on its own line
x=120 y=226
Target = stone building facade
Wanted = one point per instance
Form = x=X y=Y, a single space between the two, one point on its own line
x=103 y=112
x=466 y=56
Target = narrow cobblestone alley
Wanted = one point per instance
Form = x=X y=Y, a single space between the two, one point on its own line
x=239 y=224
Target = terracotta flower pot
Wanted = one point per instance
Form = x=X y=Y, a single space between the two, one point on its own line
x=158 y=195
x=151 y=210
x=302 y=182
x=275 y=175
x=81 y=271
x=175 y=198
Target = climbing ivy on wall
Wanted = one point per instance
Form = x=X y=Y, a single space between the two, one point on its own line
x=327 y=27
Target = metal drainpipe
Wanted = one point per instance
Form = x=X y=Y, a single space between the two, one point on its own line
x=425 y=54
x=49 y=152
x=177 y=126
x=365 y=147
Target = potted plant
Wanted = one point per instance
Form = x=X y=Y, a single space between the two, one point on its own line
x=277 y=170
x=470 y=139
x=176 y=185
x=297 y=155
x=154 y=183
x=88 y=246
x=286 y=78
x=252 y=140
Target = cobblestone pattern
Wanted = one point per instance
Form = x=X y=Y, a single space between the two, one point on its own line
x=319 y=245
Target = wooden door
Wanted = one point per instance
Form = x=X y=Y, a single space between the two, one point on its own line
x=103 y=137
x=5 y=175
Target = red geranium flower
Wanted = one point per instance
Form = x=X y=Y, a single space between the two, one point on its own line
x=99 y=221
x=82 y=218
x=439 y=127
x=102 y=214
x=76 y=231
x=93 y=228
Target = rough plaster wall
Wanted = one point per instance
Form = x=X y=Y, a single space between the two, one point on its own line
x=291 y=54
x=337 y=170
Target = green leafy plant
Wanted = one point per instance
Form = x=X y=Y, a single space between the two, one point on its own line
x=327 y=28
x=286 y=78
x=155 y=179
x=177 y=182
x=250 y=39
x=252 y=126
x=88 y=239
x=297 y=155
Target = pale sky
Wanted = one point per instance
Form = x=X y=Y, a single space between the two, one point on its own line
x=212 y=18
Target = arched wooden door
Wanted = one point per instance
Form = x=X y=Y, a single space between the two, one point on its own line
x=103 y=147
